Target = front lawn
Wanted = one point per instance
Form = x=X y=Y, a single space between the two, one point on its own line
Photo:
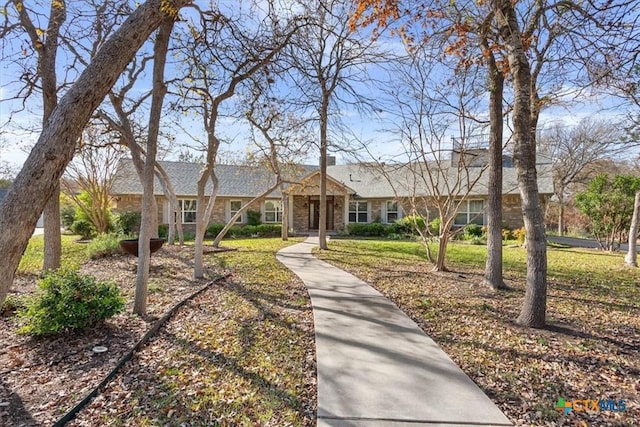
x=74 y=254
x=590 y=351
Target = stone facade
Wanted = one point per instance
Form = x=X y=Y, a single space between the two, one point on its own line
x=302 y=196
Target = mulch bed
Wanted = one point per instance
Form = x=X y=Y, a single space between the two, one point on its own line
x=42 y=378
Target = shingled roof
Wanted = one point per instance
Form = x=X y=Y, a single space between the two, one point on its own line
x=234 y=181
x=364 y=180
x=368 y=181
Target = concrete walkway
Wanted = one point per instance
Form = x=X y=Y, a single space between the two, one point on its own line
x=375 y=365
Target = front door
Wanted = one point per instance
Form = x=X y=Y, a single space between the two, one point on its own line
x=314 y=213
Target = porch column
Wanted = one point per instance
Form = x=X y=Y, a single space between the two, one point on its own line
x=345 y=216
x=290 y=212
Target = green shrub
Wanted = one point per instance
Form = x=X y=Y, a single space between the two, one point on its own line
x=189 y=236
x=520 y=234
x=254 y=217
x=83 y=228
x=11 y=304
x=67 y=216
x=507 y=234
x=128 y=222
x=105 y=245
x=478 y=240
x=262 y=230
x=407 y=224
x=434 y=227
x=472 y=230
x=214 y=229
x=81 y=215
x=375 y=229
x=163 y=231
x=269 y=230
x=67 y=300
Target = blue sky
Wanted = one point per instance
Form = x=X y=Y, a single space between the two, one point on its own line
x=362 y=126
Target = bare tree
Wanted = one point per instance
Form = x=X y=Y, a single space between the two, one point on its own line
x=119 y=115
x=36 y=182
x=93 y=172
x=327 y=59
x=279 y=146
x=573 y=148
x=148 y=224
x=228 y=50
x=42 y=77
x=437 y=175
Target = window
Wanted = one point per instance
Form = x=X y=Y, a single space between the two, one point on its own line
x=273 y=211
x=234 y=207
x=471 y=212
x=188 y=210
x=358 y=212
x=392 y=212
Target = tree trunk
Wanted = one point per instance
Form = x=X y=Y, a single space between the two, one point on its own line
x=285 y=215
x=631 y=258
x=203 y=213
x=37 y=180
x=149 y=215
x=560 y=215
x=442 y=252
x=170 y=193
x=533 y=311
x=493 y=267
x=322 y=226
x=52 y=235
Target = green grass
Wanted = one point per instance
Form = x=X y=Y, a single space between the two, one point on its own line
x=589 y=351
x=73 y=254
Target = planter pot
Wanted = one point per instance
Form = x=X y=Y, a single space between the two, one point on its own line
x=130 y=246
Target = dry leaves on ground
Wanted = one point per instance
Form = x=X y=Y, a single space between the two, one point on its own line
x=217 y=359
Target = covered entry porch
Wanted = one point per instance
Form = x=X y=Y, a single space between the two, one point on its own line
x=304 y=205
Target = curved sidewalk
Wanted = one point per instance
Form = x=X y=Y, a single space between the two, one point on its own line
x=375 y=365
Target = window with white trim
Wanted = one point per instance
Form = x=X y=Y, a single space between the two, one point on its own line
x=359 y=212
x=234 y=207
x=188 y=208
x=273 y=211
x=471 y=212
x=392 y=211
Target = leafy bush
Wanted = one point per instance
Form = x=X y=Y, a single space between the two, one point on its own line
x=478 y=240
x=83 y=228
x=11 y=304
x=507 y=234
x=269 y=230
x=67 y=216
x=81 y=214
x=368 y=230
x=163 y=231
x=129 y=222
x=434 y=227
x=472 y=230
x=262 y=230
x=254 y=217
x=214 y=229
x=67 y=300
x=407 y=224
x=105 y=245
x=519 y=234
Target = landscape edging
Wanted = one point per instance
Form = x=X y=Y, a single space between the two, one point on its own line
x=150 y=333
